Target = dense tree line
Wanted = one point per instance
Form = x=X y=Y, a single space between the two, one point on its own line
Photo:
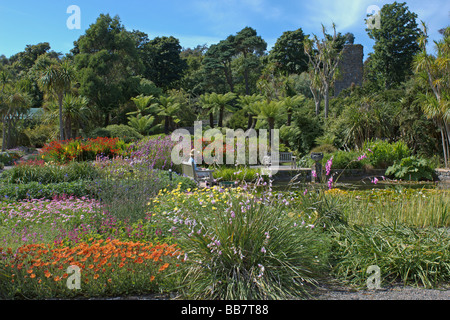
x=114 y=76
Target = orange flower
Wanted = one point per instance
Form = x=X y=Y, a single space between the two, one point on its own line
x=152 y=278
x=32 y=275
x=96 y=276
x=163 y=267
x=30 y=270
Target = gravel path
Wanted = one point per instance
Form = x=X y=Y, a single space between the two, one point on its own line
x=395 y=292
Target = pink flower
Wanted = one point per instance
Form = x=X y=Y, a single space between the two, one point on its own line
x=362 y=157
x=328 y=166
x=314 y=174
x=330 y=183
x=305 y=192
x=374 y=180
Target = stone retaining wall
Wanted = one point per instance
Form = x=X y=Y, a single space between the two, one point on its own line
x=443 y=174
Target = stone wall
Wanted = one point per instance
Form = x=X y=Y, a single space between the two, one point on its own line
x=351 y=68
x=443 y=174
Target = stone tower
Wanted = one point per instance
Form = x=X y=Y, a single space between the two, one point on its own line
x=351 y=68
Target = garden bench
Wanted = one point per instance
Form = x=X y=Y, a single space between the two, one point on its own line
x=188 y=171
x=282 y=157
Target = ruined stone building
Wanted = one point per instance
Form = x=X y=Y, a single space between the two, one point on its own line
x=351 y=68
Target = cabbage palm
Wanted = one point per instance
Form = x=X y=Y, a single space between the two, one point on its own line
x=15 y=104
x=56 y=79
x=75 y=112
x=435 y=72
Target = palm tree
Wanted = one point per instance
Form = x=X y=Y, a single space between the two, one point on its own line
x=217 y=103
x=168 y=108
x=144 y=105
x=247 y=104
x=269 y=111
x=205 y=101
x=141 y=123
x=435 y=72
x=56 y=79
x=16 y=104
x=289 y=104
x=75 y=113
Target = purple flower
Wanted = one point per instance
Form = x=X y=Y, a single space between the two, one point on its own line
x=263 y=250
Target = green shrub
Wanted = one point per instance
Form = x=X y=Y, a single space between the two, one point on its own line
x=345 y=160
x=121 y=131
x=41 y=134
x=235 y=174
x=124 y=132
x=411 y=168
x=324 y=148
x=5 y=158
x=50 y=173
x=383 y=154
x=36 y=190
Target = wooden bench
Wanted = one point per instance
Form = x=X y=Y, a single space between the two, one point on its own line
x=282 y=157
x=188 y=171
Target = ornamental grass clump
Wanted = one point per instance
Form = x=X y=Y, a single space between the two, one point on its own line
x=241 y=244
x=411 y=255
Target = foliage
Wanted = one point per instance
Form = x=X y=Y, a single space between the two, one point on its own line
x=395 y=44
x=242 y=245
x=411 y=168
x=289 y=53
x=408 y=254
x=236 y=174
x=36 y=190
x=45 y=173
x=383 y=153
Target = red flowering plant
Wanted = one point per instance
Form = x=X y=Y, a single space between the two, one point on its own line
x=83 y=149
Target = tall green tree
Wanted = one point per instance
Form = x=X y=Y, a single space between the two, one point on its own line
x=217 y=61
x=395 y=44
x=250 y=46
x=108 y=65
x=162 y=61
x=289 y=54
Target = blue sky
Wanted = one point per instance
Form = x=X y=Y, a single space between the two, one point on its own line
x=196 y=22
